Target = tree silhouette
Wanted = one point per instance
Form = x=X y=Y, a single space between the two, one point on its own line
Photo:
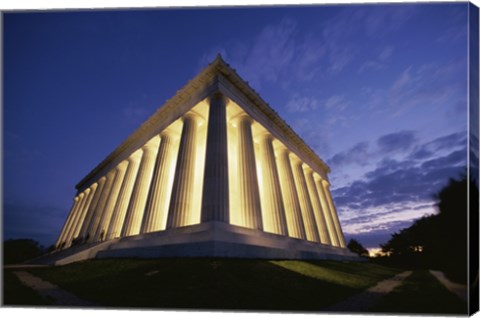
x=355 y=247
x=439 y=241
x=19 y=250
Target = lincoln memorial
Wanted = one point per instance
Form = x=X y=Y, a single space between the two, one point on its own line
x=214 y=172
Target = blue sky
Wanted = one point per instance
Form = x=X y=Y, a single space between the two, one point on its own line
x=378 y=91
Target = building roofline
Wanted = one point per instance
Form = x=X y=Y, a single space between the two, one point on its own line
x=217 y=66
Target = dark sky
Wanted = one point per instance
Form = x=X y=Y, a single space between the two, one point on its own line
x=378 y=91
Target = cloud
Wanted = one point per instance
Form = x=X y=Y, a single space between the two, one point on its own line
x=380 y=62
x=283 y=53
x=398 y=190
x=429 y=85
x=358 y=154
x=381 y=20
x=318 y=136
x=336 y=102
x=444 y=143
x=302 y=104
x=397 y=142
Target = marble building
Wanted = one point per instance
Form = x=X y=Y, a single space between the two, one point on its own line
x=213 y=172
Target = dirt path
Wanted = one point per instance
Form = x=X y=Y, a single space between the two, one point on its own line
x=47 y=290
x=370 y=297
x=458 y=289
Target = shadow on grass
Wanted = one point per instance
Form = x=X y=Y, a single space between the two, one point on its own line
x=213 y=283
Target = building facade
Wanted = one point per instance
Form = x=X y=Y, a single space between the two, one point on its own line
x=214 y=172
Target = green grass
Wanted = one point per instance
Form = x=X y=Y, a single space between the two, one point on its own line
x=235 y=285
x=16 y=294
x=421 y=293
x=358 y=276
x=215 y=284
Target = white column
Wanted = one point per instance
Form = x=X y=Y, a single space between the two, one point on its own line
x=290 y=197
x=110 y=205
x=81 y=220
x=97 y=215
x=136 y=208
x=250 y=207
x=69 y=236
x=84 y=232
x=124 y=197
x=317 y=208
x=332 y=232
x=215 y=200
x=334 y=214
x=273 y=209
x=155 y=218
x=181 y=202
x=305 y=204
x=68 y=222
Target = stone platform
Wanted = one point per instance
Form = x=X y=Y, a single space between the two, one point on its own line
x=211 y=239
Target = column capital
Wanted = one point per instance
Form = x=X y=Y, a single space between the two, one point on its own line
x=264 y=136
x=242 y=118
x=194 y=116
x=307 y=169
x=295 y=160
x=122 y=165
x=94 y=186
x=166 y=133
x=135 y=157
x=317 y=177
x=149 y=147
x=283 y=151
x=218 y=96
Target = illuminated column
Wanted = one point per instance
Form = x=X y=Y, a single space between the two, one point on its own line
x=110 y=205
x=274 y=210
x=293 y=211
x=100 y=208
x=136 y=208
x=317 y=208
x=215 y=204
x=84 y=232
x=180 y=209
x=332 y=232
x=69 y=236
x=120 y=210
x=84 y=210
x=305 y=203
x=155 y=218
x=333 y=212
x=68 y=223
x=250 y=207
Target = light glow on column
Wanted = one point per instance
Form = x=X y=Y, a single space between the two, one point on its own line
x=185 y=201
x=234 y=202
x=136 y=207
x=326 y=211
x=118 y=217
x=333 y=212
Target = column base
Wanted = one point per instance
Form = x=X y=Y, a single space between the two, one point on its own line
x=208 y=240
x=217 y=239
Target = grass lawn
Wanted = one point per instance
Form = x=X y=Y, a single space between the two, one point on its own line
x=422 y=293
x=16 y=294
x=215 y=284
